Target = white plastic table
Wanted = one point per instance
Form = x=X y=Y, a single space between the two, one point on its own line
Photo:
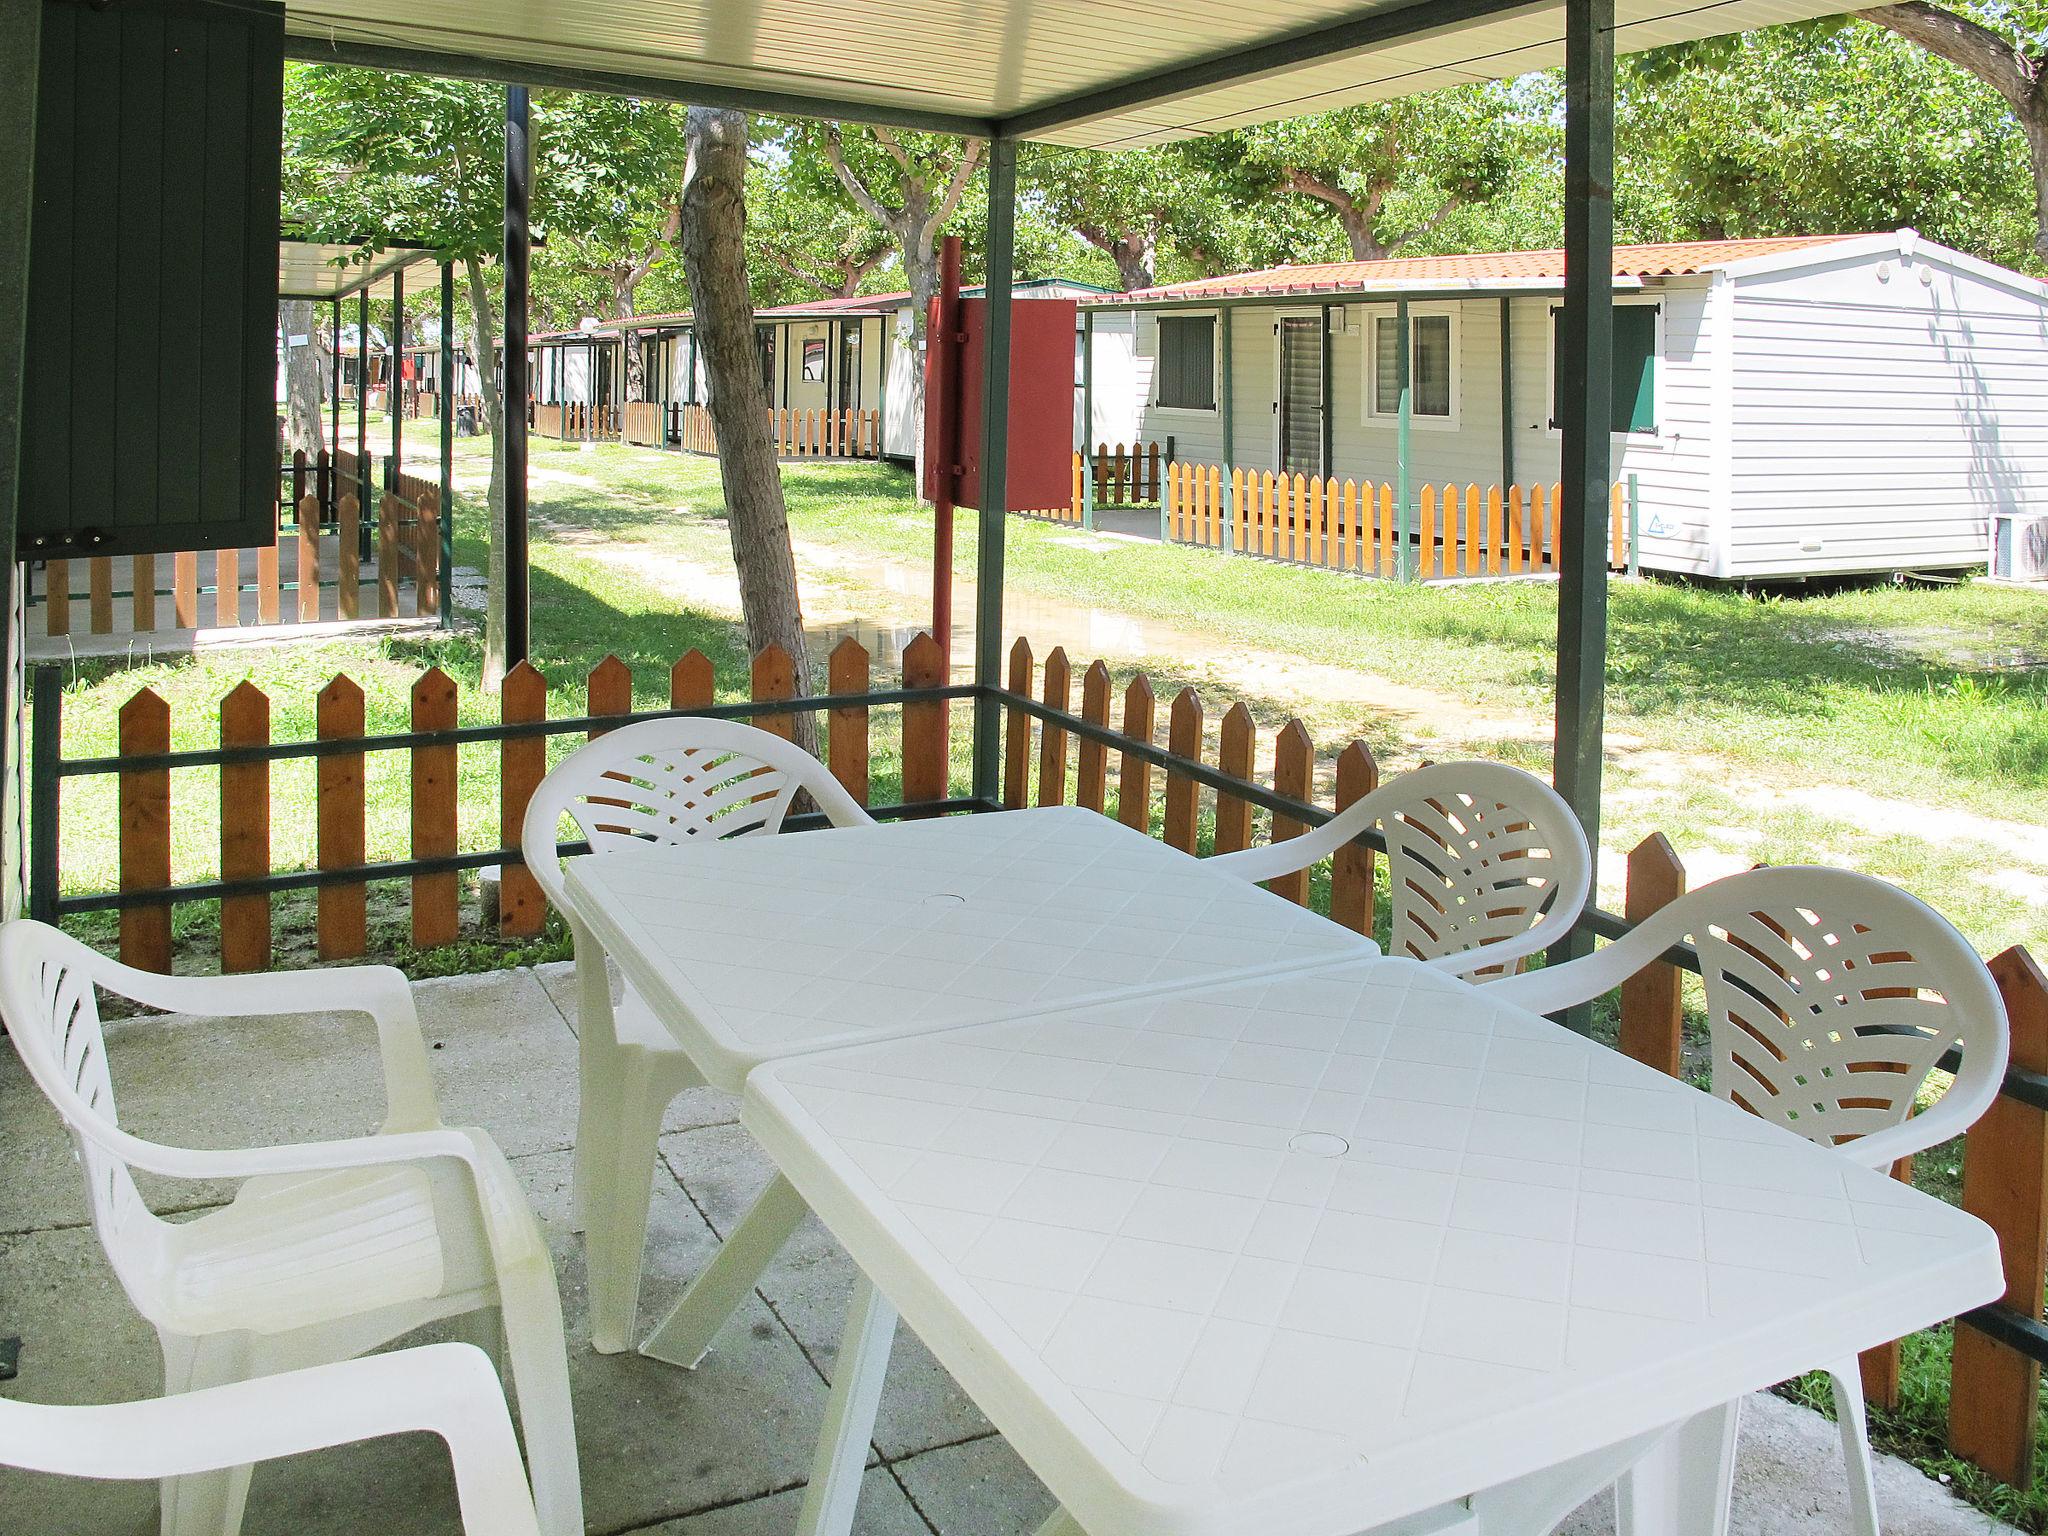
x=1312 y=1253
x=762 y=948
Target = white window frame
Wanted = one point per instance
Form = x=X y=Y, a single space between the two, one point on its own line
x=1369 y=330
x=1550 y=309
x=1190 y=412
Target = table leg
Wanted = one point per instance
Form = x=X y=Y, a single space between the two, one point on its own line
x=850 y=1413
x=686 y=1333
x=597 y=1045
x=1682 y=1487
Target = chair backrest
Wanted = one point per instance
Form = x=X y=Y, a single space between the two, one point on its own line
x=671 y=781
x=48 y=1001
x=1831 y=996
x=1483 y=859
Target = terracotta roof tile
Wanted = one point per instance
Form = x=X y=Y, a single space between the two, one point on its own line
x=1672 y=260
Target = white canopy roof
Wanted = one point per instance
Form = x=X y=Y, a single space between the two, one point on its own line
x=1100 y=73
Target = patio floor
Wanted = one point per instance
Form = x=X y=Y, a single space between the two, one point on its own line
x=721 y=1451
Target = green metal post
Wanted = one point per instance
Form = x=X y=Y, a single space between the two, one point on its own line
x=21 y=23
x=1324 y=451
x=1088 y=418
x=995 y=465
x=451 y=375
x=1224 y=403
x=363 y=409
x=334 y=417
x=394 y=389
x=1585 y=348
x=1507 y=397
x=1404 y=513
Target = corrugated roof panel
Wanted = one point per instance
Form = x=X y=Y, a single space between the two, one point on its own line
x=989 y=59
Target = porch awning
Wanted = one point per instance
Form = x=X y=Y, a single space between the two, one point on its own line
x=312 y=269
x=1064 y=71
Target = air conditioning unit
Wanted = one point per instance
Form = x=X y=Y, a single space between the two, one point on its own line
x=2019 y=546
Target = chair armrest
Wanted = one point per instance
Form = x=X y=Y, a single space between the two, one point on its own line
x=447 y=1389
x=1557 y=987
x=381 y=991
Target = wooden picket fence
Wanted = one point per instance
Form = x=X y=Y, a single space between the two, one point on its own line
x=640 y=422
x=847 y=434
x=147 y=808
x=1129 y=475
x=285 y=575
x=1346 y=526
x=574 y=422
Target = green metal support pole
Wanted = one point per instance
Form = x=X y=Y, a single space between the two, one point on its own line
x=1088 y=418
x=1404 y=508
x=1585 y=350
x=1507 y=396
x=21 y=23
x=1324 y=451
x=883 y=326
x=995 y=465
x=1225 y=323
x=517 y=268
x=334 y=418
x=450 y=378
x=363 y=408
x=394 y=387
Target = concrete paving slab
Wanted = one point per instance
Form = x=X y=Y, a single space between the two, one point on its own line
x=884 y=1511
x=501 y=1054
x=981 y=1488
x=691 y=1109
x=811 y=1284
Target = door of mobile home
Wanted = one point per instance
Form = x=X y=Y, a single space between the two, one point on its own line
x=1298 y=394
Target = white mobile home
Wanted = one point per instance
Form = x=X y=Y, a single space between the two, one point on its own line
x=1788 y=407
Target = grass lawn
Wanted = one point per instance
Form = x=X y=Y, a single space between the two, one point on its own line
x=1897 y=730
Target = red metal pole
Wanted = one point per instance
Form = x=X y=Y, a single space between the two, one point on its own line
x=942 y=393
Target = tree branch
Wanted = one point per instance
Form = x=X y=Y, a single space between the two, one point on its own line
x=856 y=189
x=970 y=156
x=1990 y=56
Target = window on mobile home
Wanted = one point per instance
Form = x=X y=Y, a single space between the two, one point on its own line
x=1187 y=362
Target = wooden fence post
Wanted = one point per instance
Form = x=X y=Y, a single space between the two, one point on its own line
x=848 y=671
x=145 y=728
x=100 y=593
x=1294 y=768
x=692 y=684
x=1052 y=739
x=227 y=587
x=142 y=587
x=1091 y=765
x=608 y=691
x=308 y=576
x=436 y=914
x=1017 y=731
x=245 y=830
x=1183 y=794
x=927 y=763
x=1652 y=1020
x=266 y=581
x=185 y=588
x=387 y=557
x=522 y=764
x=1994 y=1389
x=1351 y=867
x=1134 y=773
x=57 y=597
x=342 y=915
x=427 y=560
x=774 y=677
x=348 y=524
x=1234 y=756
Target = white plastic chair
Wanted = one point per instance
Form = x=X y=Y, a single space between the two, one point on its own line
x=1486 y=864
x=1830 y=998
x=329 y=1249
x=447 y=1389
x=661 y=782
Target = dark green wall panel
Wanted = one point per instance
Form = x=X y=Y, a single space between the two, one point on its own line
x=150 y=417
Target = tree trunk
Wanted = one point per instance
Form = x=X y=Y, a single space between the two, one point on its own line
x=714 y=226
x=484 y=338
x=921 y=273
x=1135 y=260
x=1358 y=229
x=304 y=382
